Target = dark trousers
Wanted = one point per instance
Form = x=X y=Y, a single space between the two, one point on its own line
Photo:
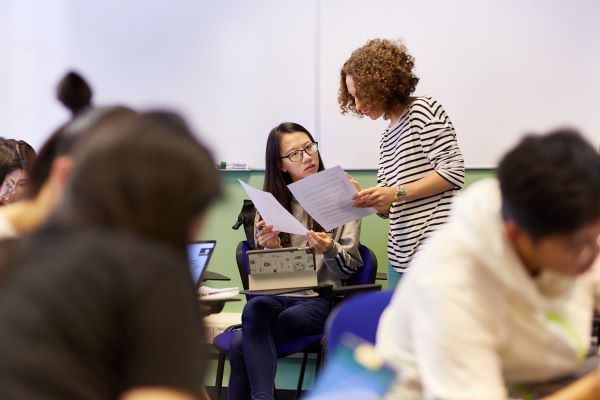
x=266 y=322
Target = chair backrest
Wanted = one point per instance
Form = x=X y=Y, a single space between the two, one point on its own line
x=368 y=272
x=368 y=307
x=242 y=262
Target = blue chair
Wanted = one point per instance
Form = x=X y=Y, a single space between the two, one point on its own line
x=343 y=318
x=362 y=280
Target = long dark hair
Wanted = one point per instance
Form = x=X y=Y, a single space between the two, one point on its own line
x=276 y=180
x=145 y=174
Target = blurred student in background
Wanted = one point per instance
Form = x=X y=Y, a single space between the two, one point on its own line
x=99 y=303
x=28 y=155
x=503 y=295
x=11 y=165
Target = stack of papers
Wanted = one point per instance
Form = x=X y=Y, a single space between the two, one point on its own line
x=326 y=197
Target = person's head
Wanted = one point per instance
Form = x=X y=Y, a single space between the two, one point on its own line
x=11 y=165
x=28 y=156
x=550 y=188
x=74 y=92
x=63 y=140
x=291 y=154
x=377 y=80
x=143 y=173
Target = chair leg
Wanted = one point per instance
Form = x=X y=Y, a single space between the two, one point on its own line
x=319 y=362
x=219 y=378
x=301 y=378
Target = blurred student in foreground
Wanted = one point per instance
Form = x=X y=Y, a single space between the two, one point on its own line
x=505 y=293
x=99 y=303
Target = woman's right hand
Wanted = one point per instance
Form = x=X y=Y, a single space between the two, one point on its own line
x=266 y=236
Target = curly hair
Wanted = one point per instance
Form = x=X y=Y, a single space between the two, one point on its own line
x=383 y=76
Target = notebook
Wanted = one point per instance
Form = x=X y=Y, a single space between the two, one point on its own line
x=285 y=268
x=199 y=253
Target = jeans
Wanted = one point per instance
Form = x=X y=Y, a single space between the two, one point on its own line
x=266 y=322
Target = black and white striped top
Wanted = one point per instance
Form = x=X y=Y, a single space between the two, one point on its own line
x=422 y=141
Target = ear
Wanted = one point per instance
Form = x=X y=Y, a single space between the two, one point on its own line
x=512 y=231
x=61 y=170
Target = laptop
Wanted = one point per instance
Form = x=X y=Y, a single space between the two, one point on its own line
x=287 y=268
x=199 y=253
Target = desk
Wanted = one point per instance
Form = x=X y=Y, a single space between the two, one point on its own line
x=321 y=289
x=214 y=306
x=214 y=276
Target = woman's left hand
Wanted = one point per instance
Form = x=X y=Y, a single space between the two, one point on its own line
x=378 y=197
x=320 y=241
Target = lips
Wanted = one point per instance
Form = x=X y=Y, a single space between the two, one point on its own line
x=309 y=167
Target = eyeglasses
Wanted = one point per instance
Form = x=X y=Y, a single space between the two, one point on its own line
x=9 y=187
x=298 y=155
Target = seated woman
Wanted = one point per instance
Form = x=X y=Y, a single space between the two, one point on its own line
x=291 y=154
x=99 y=302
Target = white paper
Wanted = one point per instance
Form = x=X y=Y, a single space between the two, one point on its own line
x=274 y=213
x=327 y=197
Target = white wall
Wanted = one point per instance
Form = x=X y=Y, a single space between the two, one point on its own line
x=236 y=68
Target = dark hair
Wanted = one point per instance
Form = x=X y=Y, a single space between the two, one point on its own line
x=10 y=159
x=26 y=152
x=62 y=141
x=276 y=180
x=145 y=174
x=383 y=74
x=74 y=92
x=551 y=183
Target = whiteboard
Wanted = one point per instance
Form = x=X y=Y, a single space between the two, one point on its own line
x=499 y=68
x=236 y=68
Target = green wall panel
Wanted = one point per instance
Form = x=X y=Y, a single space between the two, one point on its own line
x=224 y=214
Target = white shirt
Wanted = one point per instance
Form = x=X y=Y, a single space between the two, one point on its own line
x=469 y=319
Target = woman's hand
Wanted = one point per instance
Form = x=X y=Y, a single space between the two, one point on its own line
x=353 y=181
x=320 y=241
x=380 y=198
x=266 y=236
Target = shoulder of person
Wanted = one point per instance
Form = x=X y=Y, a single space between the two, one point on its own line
x=428 y=107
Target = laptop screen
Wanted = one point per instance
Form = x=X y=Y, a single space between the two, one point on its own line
x=199 y=253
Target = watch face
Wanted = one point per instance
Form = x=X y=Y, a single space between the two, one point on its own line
x=400 y=191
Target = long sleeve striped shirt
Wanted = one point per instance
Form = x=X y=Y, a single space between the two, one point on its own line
x=422 y=141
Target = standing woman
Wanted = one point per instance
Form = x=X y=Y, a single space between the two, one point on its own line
x=292 y=154
x=420 y=165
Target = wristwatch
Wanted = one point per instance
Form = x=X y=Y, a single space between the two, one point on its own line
x=401 y=193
